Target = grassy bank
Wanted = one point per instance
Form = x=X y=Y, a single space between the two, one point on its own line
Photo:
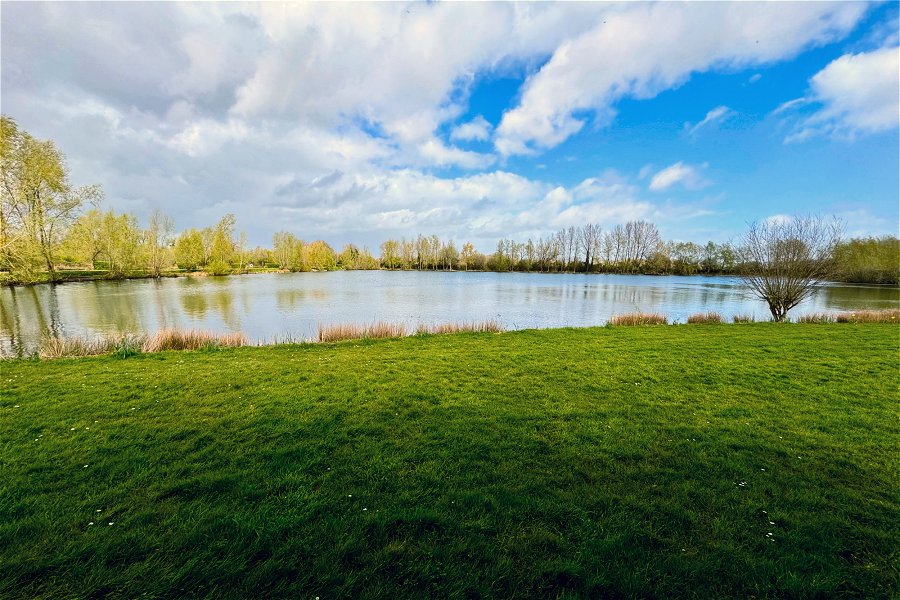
x=709 y=461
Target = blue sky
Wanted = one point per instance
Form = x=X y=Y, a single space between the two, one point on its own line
x=359 y=122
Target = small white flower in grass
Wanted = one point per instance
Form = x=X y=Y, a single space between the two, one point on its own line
x=16 y=406
x=84 y=467
x=73 y=429
x=111 y=523
x=365 y=509
x=349 y=495
x=771 y=522
x=98 y=510
x=91 y=523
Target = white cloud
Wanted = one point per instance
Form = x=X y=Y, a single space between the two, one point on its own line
x=717 y=115
x=478 y=129
x=857 y=94
x=687 y=176
x=640 y=50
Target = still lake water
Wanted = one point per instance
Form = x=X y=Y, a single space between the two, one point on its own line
x=276 y=304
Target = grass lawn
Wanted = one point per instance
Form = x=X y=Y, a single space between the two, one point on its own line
x=694 y=461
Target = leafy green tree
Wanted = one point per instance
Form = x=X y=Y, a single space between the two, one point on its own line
x=390 y=254
x=222 y=246
x=108 y=237
x=320 y=256
x=189 y=250
x=157 y=243
x=869 y=260
x=289 y=251
x=37 y=202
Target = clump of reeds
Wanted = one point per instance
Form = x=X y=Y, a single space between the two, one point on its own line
x=77 y=346
x=487 y=326
x=817 y=318
x=705 y=318
x=743 y=319
x=639 y=318
x=890 y=315
x=350 y=331
x=192 y=339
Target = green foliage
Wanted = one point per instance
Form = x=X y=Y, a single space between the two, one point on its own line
x=319 y=256
x=189 y=252
x=869 y=260
x=37 y=202
x=106 y=237
x=620 y=462
x=218 y=267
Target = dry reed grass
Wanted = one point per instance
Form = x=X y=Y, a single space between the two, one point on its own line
x=75 y=347
x=191 y=339
x=639 y=318
x=705 y=318
x=817 y=318
x=890 y=315
x=743 y=319
x=351 y=331
x=487 y=326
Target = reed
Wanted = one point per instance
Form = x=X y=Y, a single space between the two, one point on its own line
x=487 y=326
x=705 y=318
x=816 y=318
x=78 y=346
x=352 y=331
x=744 y=318
x=890 y=315
x=192 y=339
x=639 y=318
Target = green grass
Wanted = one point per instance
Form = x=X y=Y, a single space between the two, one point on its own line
x=609 y=462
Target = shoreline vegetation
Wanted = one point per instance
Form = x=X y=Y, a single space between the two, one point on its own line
x=701 y=461
x=63 y=275
x=48 y=234
x=126 y=345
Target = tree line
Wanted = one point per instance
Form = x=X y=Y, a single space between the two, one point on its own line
x=49 y=228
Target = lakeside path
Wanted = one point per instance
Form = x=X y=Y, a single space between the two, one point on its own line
x=691 y=461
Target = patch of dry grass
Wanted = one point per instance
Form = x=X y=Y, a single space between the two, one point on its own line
x=488 y=326
x=191 y=339
x=705 y=318
x=890 y=315
x=351 y=331
x=743 y=319
x=75 y=347
x=817 y=318
x=639 y=318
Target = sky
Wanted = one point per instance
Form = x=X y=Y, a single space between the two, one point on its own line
x=359 y=122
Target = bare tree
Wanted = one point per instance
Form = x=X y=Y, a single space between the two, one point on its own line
x=589 y=237
x=786 y=260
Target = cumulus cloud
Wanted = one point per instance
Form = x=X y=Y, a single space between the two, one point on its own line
x=337 y=118
x=856 y=94
x=687 y=176
x=717 y=115
x=640 y=50
x=478 y=129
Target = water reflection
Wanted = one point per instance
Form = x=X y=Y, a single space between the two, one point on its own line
x=263 y=306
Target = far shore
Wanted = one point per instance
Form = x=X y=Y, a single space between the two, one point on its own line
x=81 y=276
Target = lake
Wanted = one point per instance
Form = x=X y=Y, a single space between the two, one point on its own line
x=277 y=304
